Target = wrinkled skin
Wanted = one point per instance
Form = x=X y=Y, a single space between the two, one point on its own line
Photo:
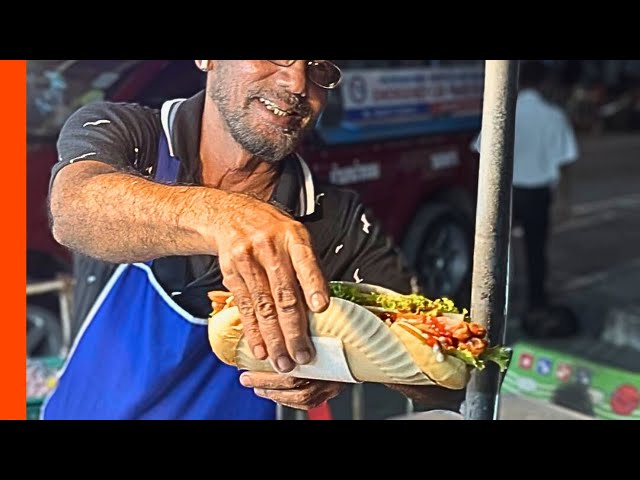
x=289 y=391
x=266 y=257
x=265 y=253
x=237 y=90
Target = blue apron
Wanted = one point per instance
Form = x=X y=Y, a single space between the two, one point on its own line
x=139 y=355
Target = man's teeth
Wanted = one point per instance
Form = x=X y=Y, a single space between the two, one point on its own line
x=271 y=107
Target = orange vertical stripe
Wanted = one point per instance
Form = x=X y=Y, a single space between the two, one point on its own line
x=13 y=281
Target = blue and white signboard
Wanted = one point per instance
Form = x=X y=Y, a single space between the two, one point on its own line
x=415 y=94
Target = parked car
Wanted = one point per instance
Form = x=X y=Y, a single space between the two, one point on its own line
x=398 y=132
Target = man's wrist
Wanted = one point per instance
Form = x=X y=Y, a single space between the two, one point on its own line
x=199 y=218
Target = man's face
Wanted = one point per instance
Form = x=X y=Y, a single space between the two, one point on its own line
x=262 y=106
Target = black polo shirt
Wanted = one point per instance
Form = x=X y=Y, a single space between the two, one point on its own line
x=347 y=238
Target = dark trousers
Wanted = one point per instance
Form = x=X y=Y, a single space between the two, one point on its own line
x=531 y=210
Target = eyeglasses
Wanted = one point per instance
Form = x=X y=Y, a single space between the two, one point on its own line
x=323 y=73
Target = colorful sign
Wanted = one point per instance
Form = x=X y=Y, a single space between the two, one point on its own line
x=570 y=381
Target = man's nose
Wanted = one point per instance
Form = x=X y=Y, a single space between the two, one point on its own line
x=294 y=78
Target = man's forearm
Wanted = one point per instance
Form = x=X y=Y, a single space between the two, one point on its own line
x=124 y=218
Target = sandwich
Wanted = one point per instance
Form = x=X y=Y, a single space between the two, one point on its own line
x=387 y=337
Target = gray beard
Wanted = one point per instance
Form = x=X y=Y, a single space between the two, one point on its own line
x=267 y=142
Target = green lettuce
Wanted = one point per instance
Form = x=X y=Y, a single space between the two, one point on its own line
x=413 y=303
x=466 y=356
x=498 y=355
x=352 y=294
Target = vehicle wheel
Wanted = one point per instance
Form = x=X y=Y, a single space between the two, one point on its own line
x=439 y=246
x=44 y=334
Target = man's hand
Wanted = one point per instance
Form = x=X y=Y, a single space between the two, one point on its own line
x=289 y=391
x=263 y=255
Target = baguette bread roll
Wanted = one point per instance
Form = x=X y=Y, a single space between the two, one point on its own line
x=374 y=351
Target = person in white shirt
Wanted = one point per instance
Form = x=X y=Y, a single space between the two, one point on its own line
x=544 y=147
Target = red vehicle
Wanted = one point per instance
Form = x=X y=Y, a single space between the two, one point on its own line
x=398 y=132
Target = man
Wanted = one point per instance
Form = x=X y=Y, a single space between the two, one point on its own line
x=544 y=148
x=206 y=194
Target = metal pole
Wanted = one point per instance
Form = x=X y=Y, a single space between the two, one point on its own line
x=493 y=226
x=357 y=402
x=46 y=287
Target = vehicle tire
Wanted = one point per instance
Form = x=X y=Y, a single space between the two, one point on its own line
x=44 y=333
x=439 y=247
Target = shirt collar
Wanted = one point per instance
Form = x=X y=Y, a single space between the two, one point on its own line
x=182 y=121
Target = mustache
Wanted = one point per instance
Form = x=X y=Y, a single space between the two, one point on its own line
x=296 y=103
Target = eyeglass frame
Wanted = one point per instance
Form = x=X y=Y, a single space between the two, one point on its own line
x=333 y=86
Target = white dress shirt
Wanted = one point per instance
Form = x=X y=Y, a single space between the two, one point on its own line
x=544 y=141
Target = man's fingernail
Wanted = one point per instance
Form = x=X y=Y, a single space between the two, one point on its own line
x=259 y=352
x=245 y=381
x=303 y=357
x=318 y=301
x=284 y=363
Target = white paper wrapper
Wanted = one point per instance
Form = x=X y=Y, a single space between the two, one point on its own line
x=329 y=363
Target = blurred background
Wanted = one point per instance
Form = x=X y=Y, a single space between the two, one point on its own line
x=401 y=133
